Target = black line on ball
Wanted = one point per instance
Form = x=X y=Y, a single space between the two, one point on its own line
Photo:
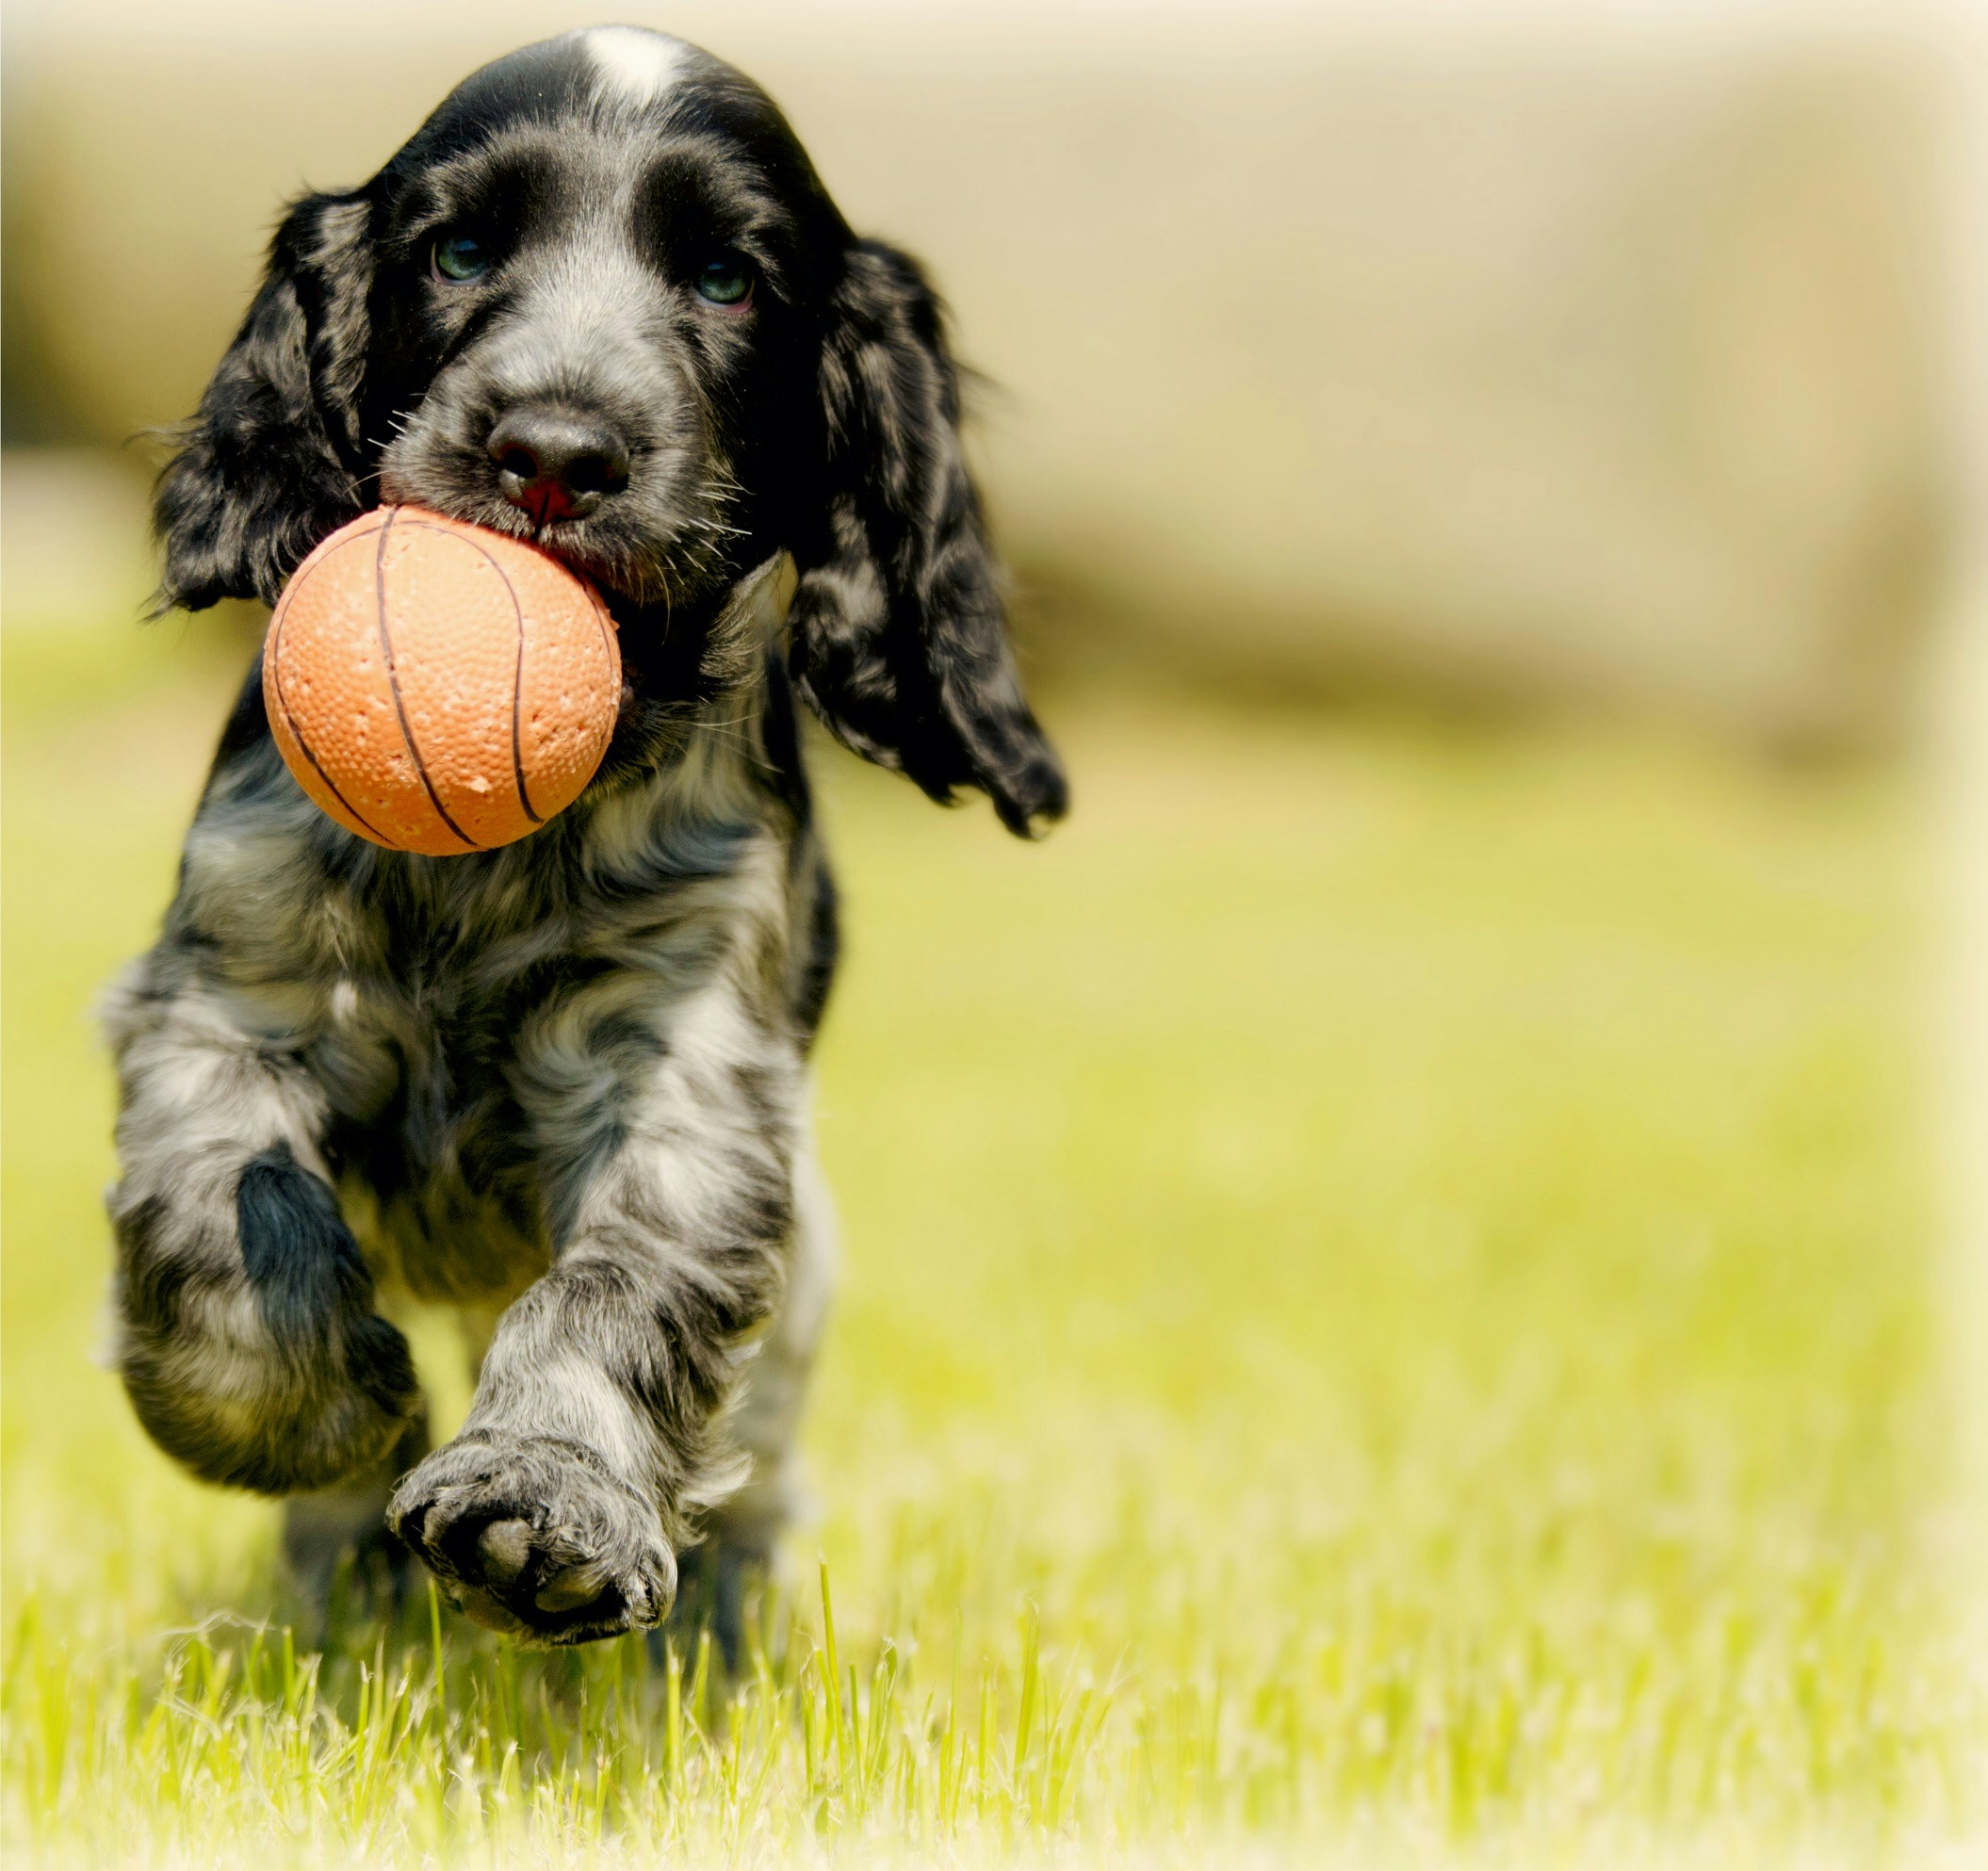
x=601 y=623
x=517 y=686
x=393 y=678
x=289 y=719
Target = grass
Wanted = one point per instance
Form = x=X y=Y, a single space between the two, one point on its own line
x=1387 y=1318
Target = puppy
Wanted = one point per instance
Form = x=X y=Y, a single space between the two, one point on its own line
x=599 y=301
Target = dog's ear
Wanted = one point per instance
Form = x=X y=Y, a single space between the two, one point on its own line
x=897 y=638
x=272 y=462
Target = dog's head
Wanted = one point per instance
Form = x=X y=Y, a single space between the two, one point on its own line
x=601 y=300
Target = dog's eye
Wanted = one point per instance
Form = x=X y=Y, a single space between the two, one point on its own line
x=726 y=279
x=461 y=257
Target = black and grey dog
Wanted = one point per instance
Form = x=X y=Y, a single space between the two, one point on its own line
x=601 y=301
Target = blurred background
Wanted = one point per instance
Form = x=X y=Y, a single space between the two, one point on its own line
x=1542 y=353
x=1418 y=1217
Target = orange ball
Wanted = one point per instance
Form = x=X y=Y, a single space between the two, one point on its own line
x=436 y=687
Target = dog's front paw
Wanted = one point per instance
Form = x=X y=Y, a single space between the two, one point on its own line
x=537 y=1538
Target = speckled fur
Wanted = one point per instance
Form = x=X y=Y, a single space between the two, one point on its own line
x=562 y=1085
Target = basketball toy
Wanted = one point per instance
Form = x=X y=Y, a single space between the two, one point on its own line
x=436 y=687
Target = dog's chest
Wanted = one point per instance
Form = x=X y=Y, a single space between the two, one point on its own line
x=439 y=1041
x=434 y=1155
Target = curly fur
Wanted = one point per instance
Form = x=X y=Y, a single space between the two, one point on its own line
x=563 y=1084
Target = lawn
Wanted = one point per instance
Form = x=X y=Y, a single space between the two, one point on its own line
x=1387 y=1318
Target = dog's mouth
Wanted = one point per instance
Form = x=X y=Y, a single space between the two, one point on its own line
x=639 y=564
x=653 y=530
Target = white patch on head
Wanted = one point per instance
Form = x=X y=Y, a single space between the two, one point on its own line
x=637 y=67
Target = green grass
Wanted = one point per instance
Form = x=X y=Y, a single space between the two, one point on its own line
x=1387 y=1317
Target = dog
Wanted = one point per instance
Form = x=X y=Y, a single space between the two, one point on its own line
x=601 y=301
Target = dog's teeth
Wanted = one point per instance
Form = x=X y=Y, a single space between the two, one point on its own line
x=504 y=1546
x=570 y=1590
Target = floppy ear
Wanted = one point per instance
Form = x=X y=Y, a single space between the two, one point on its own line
x=896 y=626
x=272 y=462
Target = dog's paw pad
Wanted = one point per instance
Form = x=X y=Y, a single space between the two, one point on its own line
x=569 y=1589
x=504 y=1550
x=531 y=1539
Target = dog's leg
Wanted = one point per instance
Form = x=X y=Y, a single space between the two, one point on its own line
x=589 y=1448
x=247 y=1335
x=327 y=1528
x=764 y=1425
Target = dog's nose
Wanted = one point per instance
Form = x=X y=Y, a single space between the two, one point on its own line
x=555 y=464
